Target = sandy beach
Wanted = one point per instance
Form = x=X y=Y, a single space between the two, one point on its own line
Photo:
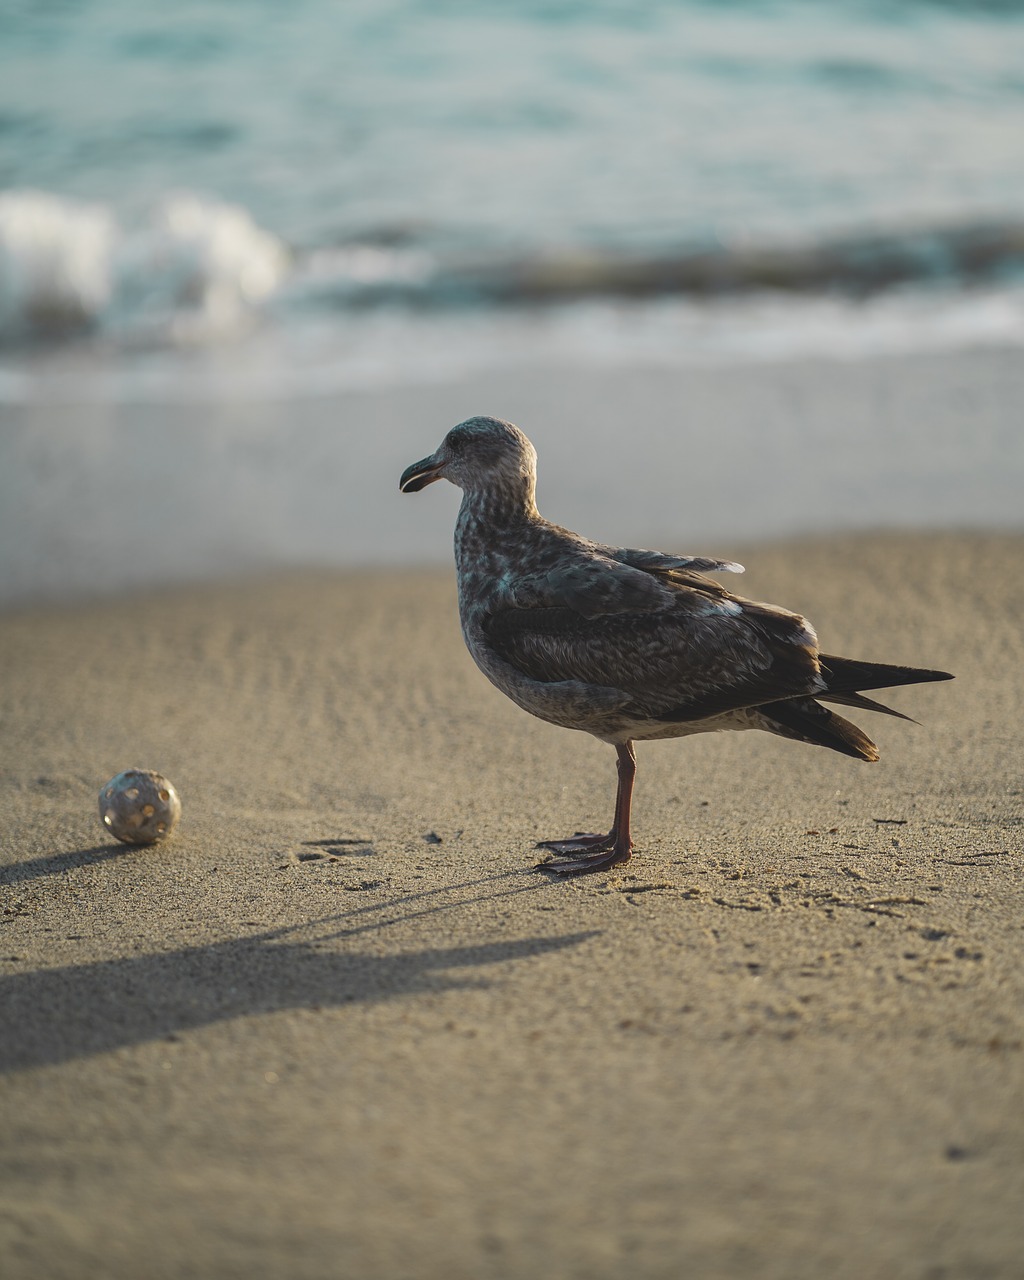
x=337 y=1026
x=751 y=279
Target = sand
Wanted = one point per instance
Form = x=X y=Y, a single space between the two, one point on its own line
x=337 y=1026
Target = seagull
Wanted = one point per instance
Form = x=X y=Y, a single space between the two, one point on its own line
x=626 y=644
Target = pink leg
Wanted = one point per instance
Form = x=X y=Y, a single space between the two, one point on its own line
x=600 y=853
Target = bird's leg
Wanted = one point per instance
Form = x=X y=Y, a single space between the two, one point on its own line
x=600 y=853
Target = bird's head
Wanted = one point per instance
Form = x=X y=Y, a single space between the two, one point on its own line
x=480 y=455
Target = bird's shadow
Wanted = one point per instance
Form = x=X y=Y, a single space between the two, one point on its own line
x=58 y=1015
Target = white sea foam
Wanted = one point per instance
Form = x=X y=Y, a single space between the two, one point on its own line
x=316 y=355
x=340 y=272
x=55 y=263
x=199 y=268
x=191 y=269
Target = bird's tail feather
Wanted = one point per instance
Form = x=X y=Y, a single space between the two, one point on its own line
x=865 y=704
x=808 y=721
x=847 y=675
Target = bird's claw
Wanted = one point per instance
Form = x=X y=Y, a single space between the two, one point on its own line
x=605 y=857
x=581 y=842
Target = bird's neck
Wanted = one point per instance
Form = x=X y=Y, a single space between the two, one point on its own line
x=504 y=504
x=487 y=518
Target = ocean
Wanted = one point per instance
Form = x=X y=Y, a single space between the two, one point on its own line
x=365 y=189
x=225 y=203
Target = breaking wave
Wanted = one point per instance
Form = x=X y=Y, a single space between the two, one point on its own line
x=193 y=270
x=856 y=266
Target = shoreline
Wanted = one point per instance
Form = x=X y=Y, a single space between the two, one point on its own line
x=102 y=498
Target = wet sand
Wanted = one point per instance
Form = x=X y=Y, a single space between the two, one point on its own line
x=337 y=1026
x=98 y=495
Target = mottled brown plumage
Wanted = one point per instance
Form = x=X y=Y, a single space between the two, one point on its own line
x=623 y=643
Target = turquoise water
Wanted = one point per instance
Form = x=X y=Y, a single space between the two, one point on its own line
x=523 y=124
x=171 y=174
x=221 y=221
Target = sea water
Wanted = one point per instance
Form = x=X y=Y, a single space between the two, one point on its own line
x=354 y=178
x=231 y=202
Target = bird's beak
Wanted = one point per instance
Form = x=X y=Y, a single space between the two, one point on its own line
x=420 y=474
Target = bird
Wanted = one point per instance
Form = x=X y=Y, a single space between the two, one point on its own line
x=623 y=643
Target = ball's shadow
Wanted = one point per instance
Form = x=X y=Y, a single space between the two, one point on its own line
x=54 y=864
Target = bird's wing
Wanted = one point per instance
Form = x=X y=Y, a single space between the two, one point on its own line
x=660 y=562
x=702 y=653
x=589 y=584
x=595 y=581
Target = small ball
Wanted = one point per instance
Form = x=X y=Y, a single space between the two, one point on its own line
x=139 y=806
